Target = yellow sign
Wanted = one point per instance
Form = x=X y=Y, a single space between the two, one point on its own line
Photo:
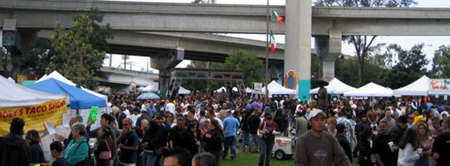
x=34 y=116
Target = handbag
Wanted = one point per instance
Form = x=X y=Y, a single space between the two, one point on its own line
x=264 y=128
x=106 y=155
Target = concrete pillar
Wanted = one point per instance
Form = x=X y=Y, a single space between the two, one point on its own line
x=328 y=50
x=297 y=63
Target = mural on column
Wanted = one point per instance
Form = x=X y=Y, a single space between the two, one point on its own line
x=291 y=79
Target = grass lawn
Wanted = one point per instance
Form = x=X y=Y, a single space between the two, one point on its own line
x=251 y=159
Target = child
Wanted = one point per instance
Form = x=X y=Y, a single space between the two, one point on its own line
x=56 y=149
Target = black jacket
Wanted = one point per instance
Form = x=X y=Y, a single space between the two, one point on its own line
x=214 y=143
x=14 y=150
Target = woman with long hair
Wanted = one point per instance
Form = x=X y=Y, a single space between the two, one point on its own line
x=408 y=153
x=151 y=143
x=332 y=122
x=268 y=129
x=424 y=142
x=365 y=147
x=34 y=140
x=214 y=140
x=104 y=146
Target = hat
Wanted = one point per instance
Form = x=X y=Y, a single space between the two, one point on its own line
x=144 y=110
x=17 y=126
x=314 y=113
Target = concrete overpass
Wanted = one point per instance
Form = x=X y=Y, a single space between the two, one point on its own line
x=198 y=46
x=123 y=78
x=214 y=18
x=328 y=25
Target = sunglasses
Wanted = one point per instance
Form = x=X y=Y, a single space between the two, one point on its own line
x=169 y=116
x=125 y=124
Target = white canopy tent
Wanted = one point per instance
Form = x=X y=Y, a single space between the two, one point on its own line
x=335 y=86
x=370 y=89
x=14 y=95
x=275 y=89
x=183 y=91
x=220 y=90
x=148 y=88
x=419 y=87
x=248 y=90
x=56 y=75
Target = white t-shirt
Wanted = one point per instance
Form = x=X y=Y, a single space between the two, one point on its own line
x=171 y=108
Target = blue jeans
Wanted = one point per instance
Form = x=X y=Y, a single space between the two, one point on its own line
x=422 y=162
x=230 y=142
x=246 y=140
x=218 y=156
x=148 y=158
x=266 y=151
x=253 y=139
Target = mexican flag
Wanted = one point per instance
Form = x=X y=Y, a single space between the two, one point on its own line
x=275 y=17
x=273 y=43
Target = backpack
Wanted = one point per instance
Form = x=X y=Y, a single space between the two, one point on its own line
x=87 y=161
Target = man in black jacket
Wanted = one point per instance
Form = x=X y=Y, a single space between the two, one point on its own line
x=13 y=148
x=341 y=129
x=253 y=122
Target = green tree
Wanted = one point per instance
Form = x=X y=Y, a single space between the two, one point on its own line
x=441 y=62
x=363 y=44
x=247 y=62
x=202 y=84
x=79 y=52
x=411 y=65
x=345 y=71
x=36 y=58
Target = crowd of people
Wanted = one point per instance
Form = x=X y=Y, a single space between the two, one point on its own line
x=199 y=130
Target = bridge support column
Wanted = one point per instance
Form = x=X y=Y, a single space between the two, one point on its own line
x=297 y=63
x=328 y=50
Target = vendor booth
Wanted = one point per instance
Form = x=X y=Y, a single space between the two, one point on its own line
x=33 y=106
x=335 y=86
x=79 y=99
x=370 y=90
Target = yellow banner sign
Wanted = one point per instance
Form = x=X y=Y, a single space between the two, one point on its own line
x=34 y=116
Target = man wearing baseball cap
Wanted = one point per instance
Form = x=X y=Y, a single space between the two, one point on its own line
x=318 y=147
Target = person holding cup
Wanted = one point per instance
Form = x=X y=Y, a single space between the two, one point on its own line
x=424 y=142
x=408 y=149
x=384 y=146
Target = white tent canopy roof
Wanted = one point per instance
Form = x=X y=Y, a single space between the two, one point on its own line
x=220 y=90
x=248 y=90
x=275 y=89
x=419 y=87
x=370 y=89
x=335 y=86
x=148 y=88
x=14 y=95
x=183 y=91
x=56 y=75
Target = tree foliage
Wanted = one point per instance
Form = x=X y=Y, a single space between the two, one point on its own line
x=79 y=52
x=346 y=72
x=441 y=63
x=247 y=62
x=202 y=84
x=411 y=65
x=238 y=60
x=36 y=58
x=362 y=44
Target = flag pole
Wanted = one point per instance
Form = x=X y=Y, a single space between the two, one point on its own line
x=267 y=54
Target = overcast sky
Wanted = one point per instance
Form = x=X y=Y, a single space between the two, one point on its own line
x=406 y=42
